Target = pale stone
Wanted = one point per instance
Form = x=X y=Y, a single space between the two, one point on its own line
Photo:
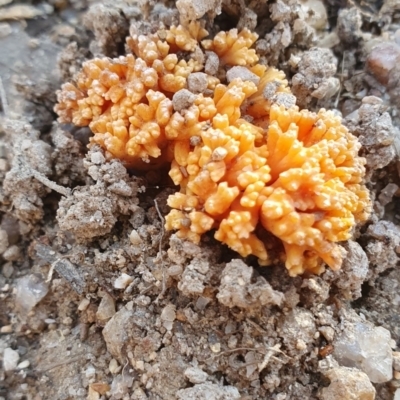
x=134 y=238
x=367 y=348
x=30 y=290
x=208 y=391
x=84 y=304
x=123 y=281
x=168 y=316
x=347 y=384
x=106 y=308
x=10 y=359
x=90 y=372
x=3 y=241
x=196 y=375
x=23 y=364
x=114 y=367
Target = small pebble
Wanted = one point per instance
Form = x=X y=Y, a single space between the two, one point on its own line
x=84 y=304
x=196 y=375
x=396 y=361
x=93 y=394
x=114 y=367
x=8 y=270
x=21 y=11
x=197 y=82
x=5 y=29
x=140 y=365
x=10 y=359
x=212 y=63
x=347 y=383
x=5 y=288
x=175 y=270
x=123 y=281
x=67 y=321
x=6 y=329
x=13 y=253
x=30 y=290
x=215 y=347
x=3 y=241
x=100 y=387
x=23 y=364
x=382 y=60
x=328 y=333
x=134 y=238
x=90 y=372
x=106 y=308
x=168 y=316
x=243 y=73
x=183 y=99
x=387 y=193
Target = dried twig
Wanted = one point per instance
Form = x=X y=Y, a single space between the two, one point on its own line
x=163 y=288
x=222 y=353
x=49 y=183
x=44 y=179
x=3 y=99
x=76 y=358
x=265 y=351
x=268 y=355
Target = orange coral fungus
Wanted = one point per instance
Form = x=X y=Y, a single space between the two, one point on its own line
x=303 y=183
x=244 y=156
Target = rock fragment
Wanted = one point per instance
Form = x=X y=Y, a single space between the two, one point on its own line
x=212 y=63
x=315 y=77
x=13 y=253
x=209 y=391
x=109 y=25
x=123 y=281
x=3 y=241
x=348 y=384
x=238 y=290
x=183 y=99
x=24 y=11
x=353 y=273
x=349 y=24
x=374 y=128
x=197 y=82
x=191 y=10
x=5 y=29
x=31 y=289
x=298 y=329
x=193 y=277
x=106 y=309
x=382 y=60
x=124 y=330
x=196 y=375
x=10 y=359
x=384 y=239
x=168 y=316
x=243 y=73
x=91 y=211
x=387 y=193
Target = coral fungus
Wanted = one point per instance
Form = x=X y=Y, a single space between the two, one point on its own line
x=245 y=157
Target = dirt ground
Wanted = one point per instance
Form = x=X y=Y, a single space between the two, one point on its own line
x=97 y=301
